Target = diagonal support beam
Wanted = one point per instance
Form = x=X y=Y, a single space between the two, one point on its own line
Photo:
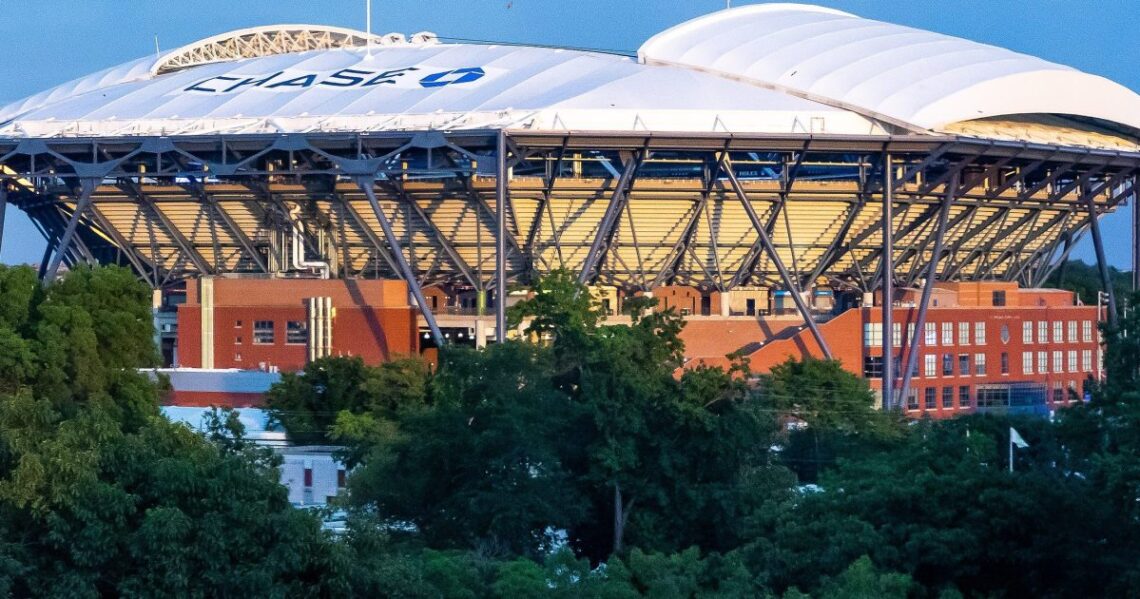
x=766 y=241
x=3 y=209
x=86 y=188
x=456 y=260
x=1101 y=261
x=915 y=342
x=606 y=228
x=366 y=184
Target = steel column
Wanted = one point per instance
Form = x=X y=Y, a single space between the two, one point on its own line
x=766 y=241
x=3 y=209
x=916 y=340
x=887 y=267
x=501 y=236
x=1101 y=261
x=87 y=187
x=366 y=183
x=1135 y=238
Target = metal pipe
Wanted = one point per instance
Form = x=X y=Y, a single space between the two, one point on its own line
x=3 y=209
x=766 y=241
x=1101 y=261
x=299 y=261
x=501 y=237
x=87 y=187
x=1135 y=235
x=887 y=267
x=365 y=183
x=916 y=340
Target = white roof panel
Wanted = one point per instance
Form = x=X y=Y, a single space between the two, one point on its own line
x=907 y=76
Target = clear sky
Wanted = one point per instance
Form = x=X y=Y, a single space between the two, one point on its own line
x=47 y=42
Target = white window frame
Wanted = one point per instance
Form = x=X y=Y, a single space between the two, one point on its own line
x=979 y=333
x=1027 y=332
x=931 y=334
x=963 y=333
x=930 y=365
x=947 y=333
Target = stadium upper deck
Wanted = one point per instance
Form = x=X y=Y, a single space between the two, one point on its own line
x=761 y=146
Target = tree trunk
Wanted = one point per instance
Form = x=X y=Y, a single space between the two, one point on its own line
x=621 y=517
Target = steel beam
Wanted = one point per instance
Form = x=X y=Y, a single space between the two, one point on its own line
x=886 y=266
x=1101 y=261
x=766 y=241
x=3 y=209
x=449 y=249
x=916 y=340
x=501 y=237
x=87 y=187
x=366 y=184
x=609 y=220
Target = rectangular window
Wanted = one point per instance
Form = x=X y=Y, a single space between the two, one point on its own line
x=963 y=333
x=1071 y=358
x=999 y=298
x=1071 y=329
x=1058 y=331
x=930 y=363
x=1042 y=331
x=964 y=396
x=1026 y=362
x=1004 y=363
x=873 y=367
x=910 y=333
x=308 y=477
x=947 y=364
x=296 y=332
x=341 y=478
x=1086 y=331
x=1058 y=362
x=964 y=364
x=979 y=364
x=1058 y=393
x=912 y=399
x=948 y=397
x=1042 y=362
x=1027 y=332
x=873 y=334
x=931 y=336
x=1086 y=360
x=896 y=334
x=947 y=333
x=979 y=333
x=237 y=324
x=263 y=332
x=929 y=398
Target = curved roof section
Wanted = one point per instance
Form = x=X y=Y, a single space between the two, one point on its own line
x=260 y=41
x=909 y=77
x=415 y=86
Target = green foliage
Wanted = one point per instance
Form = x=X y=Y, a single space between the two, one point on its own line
x=1085 y=279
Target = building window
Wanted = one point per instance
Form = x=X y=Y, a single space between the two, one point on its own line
x=947 y=333
x=1004 y=334
x=929 y=398
x=1042 y=331
x=910 y=333
x=1058 y=331
x=237 y=324
x=999 y=298
x=964 y=364
x=1086 y=360
x=963 y=333
x=873 y=334
x=979 y=333
x=930 y=363
x=979 y=364
x=1071 y=329
x=296 y=332
x=263 y=332
x=912 y=399
x=1004 y=363
x=1058 y=362
x=964 y=396
x=896 y=334
x=1058 y=393
x=873 y=367
x=947 y=364
x=947 y=397
x=1042 y=362
x=1026 y=362
x=1071 y=358
x=1027 y=332
x=237 y=356
x=1086 y=331
x=308 y=476
x=931 y=334
x=993 y=396
x=341 y=478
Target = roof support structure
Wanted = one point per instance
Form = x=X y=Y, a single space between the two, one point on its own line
x=604 y=236
x=888 y=301
x=87 y=187
x=916 y=340
x=501 y=237
x=3 y=209
x=762 y=233
x=366 y=184
x=1101 y=261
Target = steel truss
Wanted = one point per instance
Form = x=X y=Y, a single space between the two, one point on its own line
x=633 y=211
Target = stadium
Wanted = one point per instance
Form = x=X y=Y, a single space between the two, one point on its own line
x=774 y=159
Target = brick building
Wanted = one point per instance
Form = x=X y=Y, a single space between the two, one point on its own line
x=271 y=324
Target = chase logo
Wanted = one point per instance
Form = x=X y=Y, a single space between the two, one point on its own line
x=344 y=78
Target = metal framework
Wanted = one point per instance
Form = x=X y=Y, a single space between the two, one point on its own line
x=484 y=209
x=260 y=41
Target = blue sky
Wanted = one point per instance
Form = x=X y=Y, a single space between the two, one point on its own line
x=47 y=42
